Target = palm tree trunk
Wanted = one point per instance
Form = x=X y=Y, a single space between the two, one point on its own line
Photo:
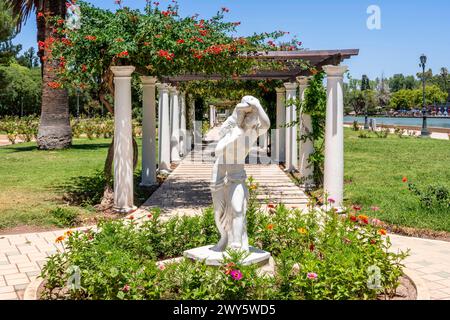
x=54 y=127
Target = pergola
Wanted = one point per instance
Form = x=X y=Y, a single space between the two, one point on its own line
x=173 y=136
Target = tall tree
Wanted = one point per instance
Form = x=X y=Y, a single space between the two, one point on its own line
x=54 y=128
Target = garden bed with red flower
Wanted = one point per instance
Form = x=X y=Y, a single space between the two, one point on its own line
x=317 y=255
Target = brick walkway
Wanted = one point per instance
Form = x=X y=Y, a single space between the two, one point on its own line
x=186 y=191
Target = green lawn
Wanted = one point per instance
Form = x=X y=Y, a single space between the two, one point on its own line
x=374 y=169
x=30 y=179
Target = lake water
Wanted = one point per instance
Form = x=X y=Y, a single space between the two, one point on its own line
x=432 y=122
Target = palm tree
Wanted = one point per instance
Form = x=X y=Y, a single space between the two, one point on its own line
x=54 y=127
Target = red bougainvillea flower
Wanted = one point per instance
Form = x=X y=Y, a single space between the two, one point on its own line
x=131 y=218
x=382 y=232
x=60 y=21
x=203 y=32
x=123 y=54
x=180 y=41
x=54 y=85
x=165 y=54
x=353 y=218
x=312 y=275
x=40 y=15
x=236 y=275
x=41 y=45
x=83 y=68
x=67 y=42
x=126 y=288
x=90 y=38
x=270 y=226
x=271 y=206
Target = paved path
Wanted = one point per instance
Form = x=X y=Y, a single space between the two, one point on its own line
x=185 y=192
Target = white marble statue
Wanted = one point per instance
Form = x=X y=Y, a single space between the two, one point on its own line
x=239 y=134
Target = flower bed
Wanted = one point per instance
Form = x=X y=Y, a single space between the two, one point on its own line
x=318 y=255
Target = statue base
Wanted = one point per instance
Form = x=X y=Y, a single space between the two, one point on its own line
x=215 y=258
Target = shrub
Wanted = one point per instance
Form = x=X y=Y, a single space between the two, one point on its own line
x=65 y=217
x=382 y=133
x=432 y=196
x=399 y=132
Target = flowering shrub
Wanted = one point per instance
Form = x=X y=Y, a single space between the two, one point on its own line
x=157 y=42
x=318 y=255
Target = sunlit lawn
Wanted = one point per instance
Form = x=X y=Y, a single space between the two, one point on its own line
x=374 y=169
x=30 y=179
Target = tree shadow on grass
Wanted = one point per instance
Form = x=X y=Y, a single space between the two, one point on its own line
x=84 y=146
x=89 y=190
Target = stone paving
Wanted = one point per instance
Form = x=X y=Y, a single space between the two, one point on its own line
x=184 y=192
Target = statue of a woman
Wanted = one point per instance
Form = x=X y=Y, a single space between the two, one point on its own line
x=229 y=191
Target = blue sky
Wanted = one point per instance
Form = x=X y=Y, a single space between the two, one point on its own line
x=408 y=28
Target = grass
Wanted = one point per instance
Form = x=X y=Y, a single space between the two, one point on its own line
x=30 y=180
x=374 y=169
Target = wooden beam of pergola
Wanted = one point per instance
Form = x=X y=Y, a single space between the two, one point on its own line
x=315 y=58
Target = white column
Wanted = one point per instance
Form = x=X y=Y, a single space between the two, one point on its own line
x=148 y=131
x=196 y=123
x=306 y=147
x=279 y=142
x=211 y=116
x=334 y=135
x=291 y=132
x=123 y=140
x=175 y=120
x=183 y=133
x=164 y=128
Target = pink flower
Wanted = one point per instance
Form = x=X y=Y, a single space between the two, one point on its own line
x=312 y=275
x=161 y=267
x=375 y=208
x=236 y=274
x=331 y=200
x=126 y=288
